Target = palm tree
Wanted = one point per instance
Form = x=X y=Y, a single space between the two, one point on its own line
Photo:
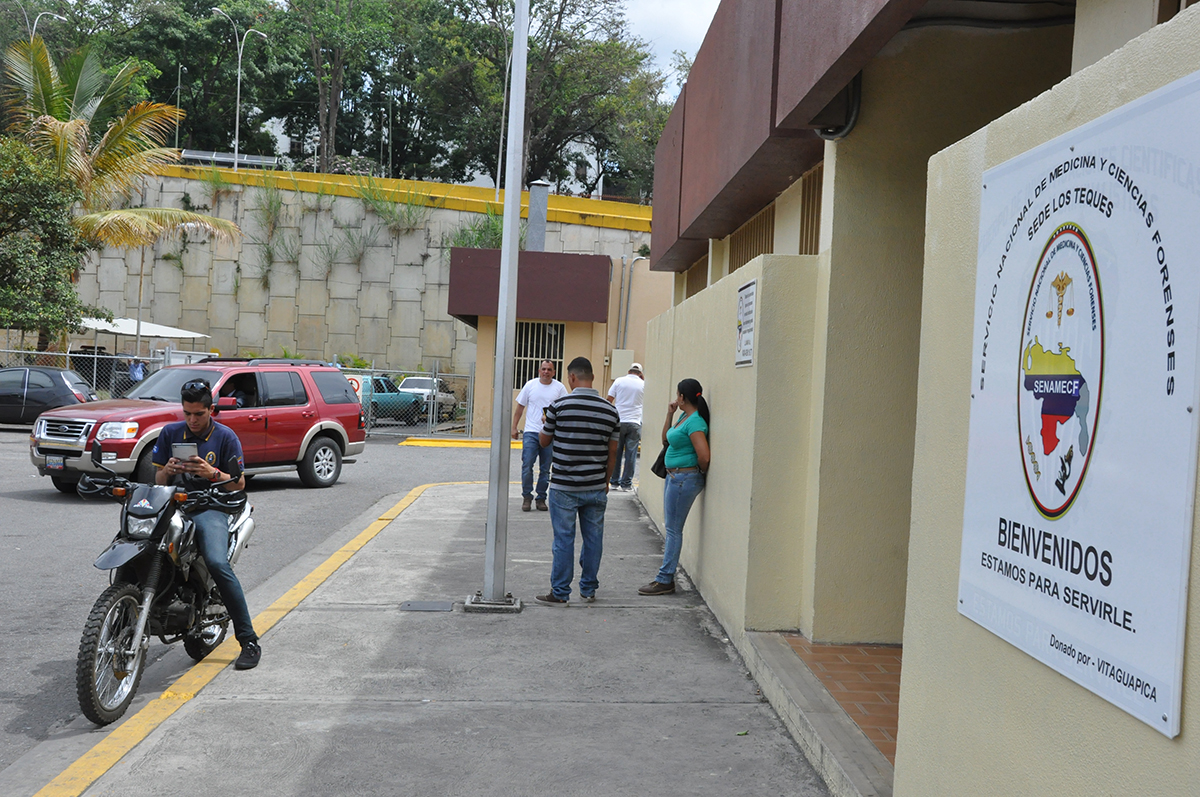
x=76 y=116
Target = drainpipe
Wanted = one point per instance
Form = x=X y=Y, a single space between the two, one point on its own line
x=628 y=294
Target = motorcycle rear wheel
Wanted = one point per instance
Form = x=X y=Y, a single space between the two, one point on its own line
x=209 y=639
x=106 y=679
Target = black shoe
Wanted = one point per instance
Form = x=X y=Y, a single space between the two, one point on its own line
x=589 y=598
x=551 y=599
x=251 y=653
x=541 y=505
x=657 y=588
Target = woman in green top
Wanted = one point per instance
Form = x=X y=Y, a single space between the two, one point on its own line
x=687 y=462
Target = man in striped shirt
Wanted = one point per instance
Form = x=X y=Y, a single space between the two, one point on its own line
x=584 y=429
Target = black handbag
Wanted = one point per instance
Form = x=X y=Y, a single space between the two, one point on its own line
x=659 y=468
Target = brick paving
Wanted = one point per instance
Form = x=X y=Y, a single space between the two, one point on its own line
x=865 y=681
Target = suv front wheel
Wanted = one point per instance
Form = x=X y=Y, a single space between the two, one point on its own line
x=322 y=463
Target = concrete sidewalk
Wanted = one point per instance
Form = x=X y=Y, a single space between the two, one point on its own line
x=625 y=696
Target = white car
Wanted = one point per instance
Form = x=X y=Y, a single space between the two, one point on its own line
x=447 y=402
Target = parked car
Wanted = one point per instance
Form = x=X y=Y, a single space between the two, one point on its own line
x=289 y=415
x=27 y=392
x=382 y=399
x=423 y=386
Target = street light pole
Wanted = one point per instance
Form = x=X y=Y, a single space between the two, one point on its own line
x=493 y=596
x=178 y=98
x=38 y=18
x=237 y=108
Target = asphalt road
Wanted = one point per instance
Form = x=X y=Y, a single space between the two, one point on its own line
x=48 y=542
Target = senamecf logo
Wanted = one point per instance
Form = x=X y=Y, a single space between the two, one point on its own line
x=1062 y=371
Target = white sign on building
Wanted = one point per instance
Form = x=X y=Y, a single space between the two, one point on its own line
x=1081 y=464
x=747 y=299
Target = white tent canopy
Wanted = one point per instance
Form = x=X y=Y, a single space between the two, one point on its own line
x=129 y=326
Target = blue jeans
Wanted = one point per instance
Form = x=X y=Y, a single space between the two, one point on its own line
x=627 y=444
x=212 y=537
x=564 y=506
x=532 y=450
x=679 y=492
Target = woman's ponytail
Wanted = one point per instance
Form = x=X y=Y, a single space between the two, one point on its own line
x=691 y=391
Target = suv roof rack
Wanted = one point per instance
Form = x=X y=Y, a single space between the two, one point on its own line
x=262 y=361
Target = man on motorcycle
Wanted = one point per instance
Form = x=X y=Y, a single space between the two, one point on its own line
x=215 y=443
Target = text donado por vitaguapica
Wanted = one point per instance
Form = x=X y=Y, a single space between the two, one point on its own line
x=1056 y=551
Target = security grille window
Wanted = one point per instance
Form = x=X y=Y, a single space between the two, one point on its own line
x=537 y=341
x=755 y=237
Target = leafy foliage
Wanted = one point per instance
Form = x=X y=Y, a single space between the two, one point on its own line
x=40 y=249
x=484 y=231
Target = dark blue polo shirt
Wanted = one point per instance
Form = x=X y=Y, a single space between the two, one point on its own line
x=216 y=446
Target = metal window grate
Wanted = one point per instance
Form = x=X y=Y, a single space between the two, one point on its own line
x=755 y=237
x=810 y=210
x=537 y=341
x=697 y=277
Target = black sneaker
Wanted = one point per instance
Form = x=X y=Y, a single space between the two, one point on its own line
x=251 y=653
x=657 y=588
x=589 y=598
x=551 y=599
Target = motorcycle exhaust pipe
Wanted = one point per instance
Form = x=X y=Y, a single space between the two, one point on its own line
x=239 y=538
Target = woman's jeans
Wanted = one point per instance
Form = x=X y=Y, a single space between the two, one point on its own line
x=679 y=492
x=212 y=537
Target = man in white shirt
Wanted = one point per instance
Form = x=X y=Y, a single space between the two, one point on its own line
x=535 y=396
x=626 y=395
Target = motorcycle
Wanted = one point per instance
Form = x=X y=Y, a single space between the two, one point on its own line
x=159 y=585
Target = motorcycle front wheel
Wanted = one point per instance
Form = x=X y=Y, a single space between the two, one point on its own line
x=106 y=675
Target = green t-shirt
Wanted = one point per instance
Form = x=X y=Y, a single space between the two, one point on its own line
x=680 y=452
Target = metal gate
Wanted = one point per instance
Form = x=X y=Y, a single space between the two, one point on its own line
x=107 y=374
x=415 y=403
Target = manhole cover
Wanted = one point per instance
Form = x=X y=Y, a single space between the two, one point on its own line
x=427 y=606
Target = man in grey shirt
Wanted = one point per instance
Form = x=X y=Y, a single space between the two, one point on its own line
x=584 y=429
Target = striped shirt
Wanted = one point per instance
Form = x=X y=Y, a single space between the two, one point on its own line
x=582 y=424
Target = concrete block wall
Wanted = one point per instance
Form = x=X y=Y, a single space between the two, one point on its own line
x=330 y=279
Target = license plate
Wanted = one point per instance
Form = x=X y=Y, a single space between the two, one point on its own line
x=54 y=463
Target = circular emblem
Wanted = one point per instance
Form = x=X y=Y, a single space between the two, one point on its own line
x=1062 y=370
x=211 y=458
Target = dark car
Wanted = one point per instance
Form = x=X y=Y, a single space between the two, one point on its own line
x=27 y=392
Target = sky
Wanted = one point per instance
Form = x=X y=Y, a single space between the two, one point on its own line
x=670 y=25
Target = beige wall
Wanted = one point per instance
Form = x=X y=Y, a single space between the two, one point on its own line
x=874 y=186
x=1101 y=26
x=977 y=716
x=744 y=542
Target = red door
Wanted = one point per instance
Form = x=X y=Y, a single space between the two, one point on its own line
x=290 y=413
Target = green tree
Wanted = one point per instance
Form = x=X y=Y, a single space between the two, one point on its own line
x=40 y=248
x=62 y=113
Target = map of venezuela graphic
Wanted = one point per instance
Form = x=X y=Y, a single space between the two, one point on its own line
x=1054 y=380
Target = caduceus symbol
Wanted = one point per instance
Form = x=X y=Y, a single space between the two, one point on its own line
x=1060 y=284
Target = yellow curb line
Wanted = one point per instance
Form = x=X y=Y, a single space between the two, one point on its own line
x=442 y=442
x=88 y=768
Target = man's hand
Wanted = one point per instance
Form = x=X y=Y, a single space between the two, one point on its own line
x=198 y=467
x=516 y=434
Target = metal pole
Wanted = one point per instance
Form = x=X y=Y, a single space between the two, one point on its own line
x=178 y=99
x=496 y=547
x=237 y=106
x=137 y=347
x=503 y=104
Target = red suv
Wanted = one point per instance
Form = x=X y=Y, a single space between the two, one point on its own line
x=289 y=415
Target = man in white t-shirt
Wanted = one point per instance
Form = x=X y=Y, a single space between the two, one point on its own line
x=532 y=401
x=626 y=395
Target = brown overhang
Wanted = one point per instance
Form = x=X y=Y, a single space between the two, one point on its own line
x=740 y=133
x=551 y=286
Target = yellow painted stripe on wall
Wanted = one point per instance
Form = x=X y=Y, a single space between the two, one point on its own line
x=441 y=442
x=563 y=209
x=76 y=778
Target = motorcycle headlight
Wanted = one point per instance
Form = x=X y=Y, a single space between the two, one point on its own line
x=117 y=431
x=140 y=528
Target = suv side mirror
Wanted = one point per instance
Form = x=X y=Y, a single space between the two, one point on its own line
x=225 y=403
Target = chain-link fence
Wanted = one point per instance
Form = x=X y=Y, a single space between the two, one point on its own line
x=407 y=403
x=110 y=375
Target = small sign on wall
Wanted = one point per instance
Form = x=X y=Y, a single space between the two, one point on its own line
x=746 y=304
x=1081 y=460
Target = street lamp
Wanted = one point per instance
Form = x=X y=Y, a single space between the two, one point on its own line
x=179 y=100
x=237 y=108
x=38 y=18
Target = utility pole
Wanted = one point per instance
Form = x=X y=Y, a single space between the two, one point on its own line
x=178 y=98
x=237 y=108
x=493 y=597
